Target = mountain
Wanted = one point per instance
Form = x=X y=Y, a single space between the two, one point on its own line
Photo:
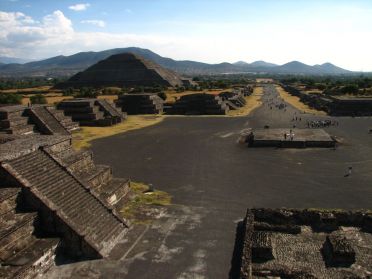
x=123 y=70
x=70 y=65
x=261 y=63
x=12 y=60
x=241 y=63
x=330 y=68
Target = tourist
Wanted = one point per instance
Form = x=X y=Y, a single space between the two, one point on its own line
x=349 y=171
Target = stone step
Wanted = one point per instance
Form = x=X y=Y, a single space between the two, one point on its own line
x=98 y=175
x=8 y=199
x=20 y=130
x=9 y=123
x=73 y=203
x=31 y=261
x=113 y=191
x=77 y=161
x=46 y=121
x=15 y=227
x=86 y=116
x=9 y=112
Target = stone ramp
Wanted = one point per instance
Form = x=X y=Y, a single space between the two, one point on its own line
x=110 y=109
x=72 y=202
x=46 y=121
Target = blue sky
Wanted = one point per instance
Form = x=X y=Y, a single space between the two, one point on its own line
x=277 y=31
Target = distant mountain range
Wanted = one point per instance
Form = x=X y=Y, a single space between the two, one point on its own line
x=8 y=60
x=69 y=65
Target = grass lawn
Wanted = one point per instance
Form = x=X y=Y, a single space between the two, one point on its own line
x=83 y=137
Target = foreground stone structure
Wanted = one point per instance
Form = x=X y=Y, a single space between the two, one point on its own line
x=23 y=120
x=123 y=70
x=141 y=103
x=287 y=138
x=53 y=201
x=290 y=243
x=199 y=104
x=92 y=112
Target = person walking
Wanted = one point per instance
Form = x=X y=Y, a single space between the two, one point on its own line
x=349 y=171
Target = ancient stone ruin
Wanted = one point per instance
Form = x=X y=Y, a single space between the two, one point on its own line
x=92 y=112
x=199 y=104
x=334 y=105
x=291 y=243
x=141 y=103
x=44 y=119
x=233 y=99
x=287 y=138
x=123 y=70
x=55 y=201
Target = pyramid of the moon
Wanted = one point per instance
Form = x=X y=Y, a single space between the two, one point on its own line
x=123 y=70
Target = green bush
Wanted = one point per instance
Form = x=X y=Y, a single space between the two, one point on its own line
x=38 y=99
x=68 y=91
x=9 y=98
x=87 y=92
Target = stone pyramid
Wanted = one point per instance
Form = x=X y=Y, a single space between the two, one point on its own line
x=123 y=70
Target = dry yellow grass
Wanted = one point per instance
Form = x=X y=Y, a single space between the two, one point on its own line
x=82 y=139
x=253 y=102
x=51 y=100
x=295 y=101
x=25 y=90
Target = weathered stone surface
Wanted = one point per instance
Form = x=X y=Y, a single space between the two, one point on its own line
x=91 y=112
x=199 y=104
x=338 y=251
x=262 y=246
x=68 y=196
x=342 y=250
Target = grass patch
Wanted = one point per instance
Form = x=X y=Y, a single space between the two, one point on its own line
x=142 y=207
x=295 y=101
x=83 y=137
x=253 y=102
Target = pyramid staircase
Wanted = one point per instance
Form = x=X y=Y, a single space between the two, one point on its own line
x=140 y=103
x=22 y=120
x=91 y=112
x=75 y=199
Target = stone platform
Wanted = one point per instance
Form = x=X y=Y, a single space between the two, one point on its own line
x=289 y=138
x=296 y=243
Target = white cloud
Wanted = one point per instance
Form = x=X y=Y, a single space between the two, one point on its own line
x=99 y=23
x=313 y=41
x=79 y=7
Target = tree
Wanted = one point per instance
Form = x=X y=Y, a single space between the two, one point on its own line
x=9 y=98
x=38 y=99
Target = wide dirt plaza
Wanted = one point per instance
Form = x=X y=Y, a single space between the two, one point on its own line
x=213 y=180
